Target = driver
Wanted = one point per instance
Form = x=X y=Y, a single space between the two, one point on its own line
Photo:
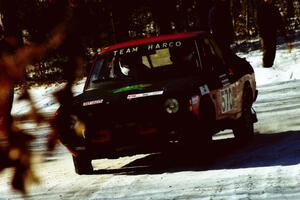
x=132 y=65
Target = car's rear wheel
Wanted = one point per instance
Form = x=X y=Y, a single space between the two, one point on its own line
x=82 y=164
x=243 y=129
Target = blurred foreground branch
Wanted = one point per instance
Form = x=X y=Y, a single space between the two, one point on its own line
x=14 y=142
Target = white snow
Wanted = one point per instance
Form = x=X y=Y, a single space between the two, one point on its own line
x=286 y=66
x=267 y=169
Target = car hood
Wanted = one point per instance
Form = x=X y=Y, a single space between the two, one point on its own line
x=122 y=92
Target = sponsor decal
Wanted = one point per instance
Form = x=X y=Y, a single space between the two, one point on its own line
x=149 y=47
x=224 y=79
x=88 y=103
x=226 y=100
x=126 y=51
x=146 y=94
x=204 y=90
x=131 y=87
x=164 y=45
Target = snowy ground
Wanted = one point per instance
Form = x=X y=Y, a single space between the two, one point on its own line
x=268 y=168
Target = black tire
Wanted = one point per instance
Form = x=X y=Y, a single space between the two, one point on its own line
x=199 y=141
x=82 y=165
x=243 y=129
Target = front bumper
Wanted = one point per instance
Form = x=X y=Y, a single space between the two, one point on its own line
x=130 y=138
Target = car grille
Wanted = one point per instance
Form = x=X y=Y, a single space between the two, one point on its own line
x=124 y=114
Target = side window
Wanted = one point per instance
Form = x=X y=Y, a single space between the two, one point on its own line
x=213 y=57
x=186 y=56
x=96 y=70
x=214 y=66
x=103 y=69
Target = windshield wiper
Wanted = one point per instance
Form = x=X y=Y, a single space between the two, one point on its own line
x=110 y=79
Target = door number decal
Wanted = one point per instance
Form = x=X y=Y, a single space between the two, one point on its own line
x=204 y=90
x=226 y=100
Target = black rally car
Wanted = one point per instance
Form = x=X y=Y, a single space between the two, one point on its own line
x=146 y=95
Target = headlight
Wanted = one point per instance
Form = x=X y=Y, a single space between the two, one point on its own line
x=171 y=105
x=78 y=126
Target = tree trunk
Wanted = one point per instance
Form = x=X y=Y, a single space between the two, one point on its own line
x=11 y=25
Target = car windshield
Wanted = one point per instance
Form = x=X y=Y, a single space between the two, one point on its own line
x=165 y=59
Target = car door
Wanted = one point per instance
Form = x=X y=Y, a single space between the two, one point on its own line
x=223 y=88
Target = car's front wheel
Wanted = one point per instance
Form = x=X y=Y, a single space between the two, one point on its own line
x=82 y=164
x=243 y=129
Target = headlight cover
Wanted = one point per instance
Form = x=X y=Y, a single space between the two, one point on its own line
x=171 y=105
x=78 y=126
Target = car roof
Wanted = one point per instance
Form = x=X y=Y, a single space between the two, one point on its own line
x=152 y=39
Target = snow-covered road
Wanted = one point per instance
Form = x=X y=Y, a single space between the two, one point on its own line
x=267 y=168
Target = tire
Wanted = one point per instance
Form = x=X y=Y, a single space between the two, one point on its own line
x=199 y=142
x=82 y=165
x=243 y=129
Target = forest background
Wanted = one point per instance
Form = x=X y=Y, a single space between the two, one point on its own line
x=97 y=23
